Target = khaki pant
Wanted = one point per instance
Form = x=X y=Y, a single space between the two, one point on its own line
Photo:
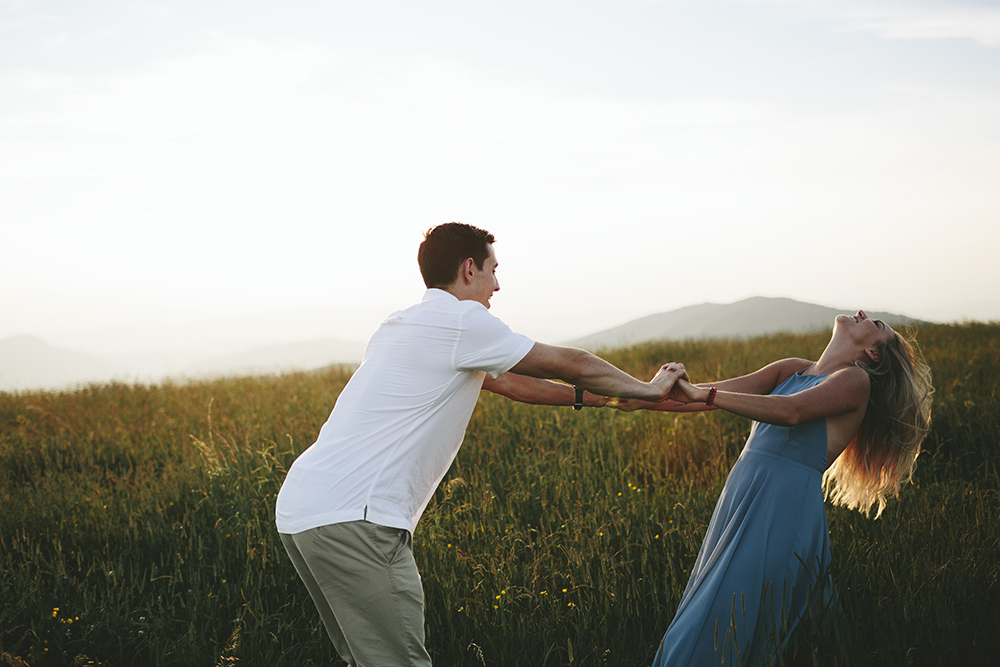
x=364 y=582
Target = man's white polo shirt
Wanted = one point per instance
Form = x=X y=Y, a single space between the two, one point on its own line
x=401 y=419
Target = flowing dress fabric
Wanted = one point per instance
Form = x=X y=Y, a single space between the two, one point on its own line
x=766 y=555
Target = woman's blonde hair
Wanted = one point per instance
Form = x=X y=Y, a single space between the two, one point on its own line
x=883 y=452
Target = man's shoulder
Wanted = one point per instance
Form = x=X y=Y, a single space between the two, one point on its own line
x=447 y=312
x=438 y=301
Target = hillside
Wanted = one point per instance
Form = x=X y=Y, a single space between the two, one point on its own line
x=138 y=524
x=751 y=317
x=27 y=362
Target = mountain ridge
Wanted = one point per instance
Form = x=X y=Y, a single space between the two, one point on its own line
x=754 y=316
x=29 y=363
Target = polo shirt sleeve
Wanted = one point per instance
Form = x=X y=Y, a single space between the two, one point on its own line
x=487 y=344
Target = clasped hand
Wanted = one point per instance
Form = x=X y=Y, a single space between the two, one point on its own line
x=683 y=390
x=673 y=380
x=667 y=377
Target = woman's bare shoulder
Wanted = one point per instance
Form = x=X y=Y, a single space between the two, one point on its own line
x=852 y=379
x=785 y=368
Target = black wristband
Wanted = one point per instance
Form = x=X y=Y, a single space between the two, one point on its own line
x=578 y=401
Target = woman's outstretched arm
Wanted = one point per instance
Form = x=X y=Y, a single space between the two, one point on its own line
x=844 y=391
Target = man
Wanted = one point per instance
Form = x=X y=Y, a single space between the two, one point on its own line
x=348 y=507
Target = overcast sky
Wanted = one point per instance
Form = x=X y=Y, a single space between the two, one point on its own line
x=174 y=172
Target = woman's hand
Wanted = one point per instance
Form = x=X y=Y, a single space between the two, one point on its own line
x=685 y=392
x=632 y=404
x=625 y=404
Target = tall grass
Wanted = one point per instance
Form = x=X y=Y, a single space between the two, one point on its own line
x=137 y=523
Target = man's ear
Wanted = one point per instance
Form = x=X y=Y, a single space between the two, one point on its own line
x=466 y=270
x=873 y=353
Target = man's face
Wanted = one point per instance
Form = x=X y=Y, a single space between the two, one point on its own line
x=484 y=281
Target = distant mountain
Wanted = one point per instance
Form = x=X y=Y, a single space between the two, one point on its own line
x=289 y=356
x=27 y=362
x=755 y=316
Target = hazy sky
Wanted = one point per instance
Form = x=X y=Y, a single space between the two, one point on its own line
x=174 y=172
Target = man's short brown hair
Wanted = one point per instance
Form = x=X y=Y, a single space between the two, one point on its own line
x=446 y=246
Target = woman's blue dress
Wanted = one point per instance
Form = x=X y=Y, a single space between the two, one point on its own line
x=766 y=555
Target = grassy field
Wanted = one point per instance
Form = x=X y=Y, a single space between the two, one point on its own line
x=136 y=524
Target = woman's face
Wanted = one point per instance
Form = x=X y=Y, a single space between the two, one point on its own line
x=862 y=330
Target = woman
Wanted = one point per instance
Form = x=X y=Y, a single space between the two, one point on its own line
x=850 y=423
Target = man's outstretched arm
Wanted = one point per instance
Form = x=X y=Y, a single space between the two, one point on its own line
x=526 y=389
x=581 y=368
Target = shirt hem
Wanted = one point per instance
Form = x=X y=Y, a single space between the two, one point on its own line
x=294 y=527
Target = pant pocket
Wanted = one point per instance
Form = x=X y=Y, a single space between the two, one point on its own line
x=389 y=541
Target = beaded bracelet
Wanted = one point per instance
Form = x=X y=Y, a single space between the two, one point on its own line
x=711 y=397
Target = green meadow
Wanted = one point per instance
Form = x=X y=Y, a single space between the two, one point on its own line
x=136 y=523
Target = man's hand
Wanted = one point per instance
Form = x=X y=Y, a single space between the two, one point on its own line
x=666 y=377
x=676 y=366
